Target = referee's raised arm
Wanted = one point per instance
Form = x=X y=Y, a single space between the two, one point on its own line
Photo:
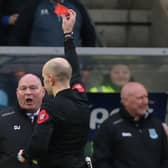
x=68 y=22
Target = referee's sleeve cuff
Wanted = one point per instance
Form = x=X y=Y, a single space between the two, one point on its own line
x=68 y=36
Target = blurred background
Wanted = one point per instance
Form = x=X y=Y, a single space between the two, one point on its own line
x=132 y=33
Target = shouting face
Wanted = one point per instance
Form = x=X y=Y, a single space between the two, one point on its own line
x=30 y=92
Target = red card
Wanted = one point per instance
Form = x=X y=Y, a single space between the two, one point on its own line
x=60 y=10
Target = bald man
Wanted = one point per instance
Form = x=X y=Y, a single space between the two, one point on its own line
x=16 y=124
x=131 y=138
x=61 y=132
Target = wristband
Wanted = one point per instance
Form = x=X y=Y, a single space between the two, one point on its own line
x=68 y=35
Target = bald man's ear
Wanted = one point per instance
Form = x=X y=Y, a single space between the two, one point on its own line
x=123 y=100
x=51 y=79
x=17 y=92
x=43 y=92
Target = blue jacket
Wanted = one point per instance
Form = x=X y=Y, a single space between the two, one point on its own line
x=22 y=31
x=122 y=142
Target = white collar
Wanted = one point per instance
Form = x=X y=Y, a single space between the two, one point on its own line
x=34 y=114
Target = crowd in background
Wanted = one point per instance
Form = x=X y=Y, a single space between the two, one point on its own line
x=34 y=23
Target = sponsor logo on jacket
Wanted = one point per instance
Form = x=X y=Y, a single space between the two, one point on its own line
x=152 y=133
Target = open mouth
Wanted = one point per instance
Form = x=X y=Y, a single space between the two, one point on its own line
x=29 y=101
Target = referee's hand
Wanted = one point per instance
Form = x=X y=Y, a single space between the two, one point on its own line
x=68 y=21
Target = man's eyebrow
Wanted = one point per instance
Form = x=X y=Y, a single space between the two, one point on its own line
x=33 y=85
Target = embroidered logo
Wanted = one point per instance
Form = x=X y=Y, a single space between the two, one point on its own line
x=126 y=134
x=16 y=127
x=44 y=12
x=42 y=117
x=152 y=133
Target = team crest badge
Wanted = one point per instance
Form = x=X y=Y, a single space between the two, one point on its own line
x=42 y=117
x=152 y=133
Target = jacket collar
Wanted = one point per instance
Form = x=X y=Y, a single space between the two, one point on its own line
x=23 y=111
x=125 y=114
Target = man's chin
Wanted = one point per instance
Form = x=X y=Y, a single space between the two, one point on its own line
x=142 y=113
x=29 y=107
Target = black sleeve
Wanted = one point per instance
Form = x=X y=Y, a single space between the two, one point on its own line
x=103 y=154
x=2 y=5
x=88 y=32
x=164 y=153
x=2 y=153
x=71 y=56
x=21 y=32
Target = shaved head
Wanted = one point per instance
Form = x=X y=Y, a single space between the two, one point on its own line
x=59 y=67
x=134 y=98
x=28 y=77
x=130 y=88
x=56 y=74
x=30 y=92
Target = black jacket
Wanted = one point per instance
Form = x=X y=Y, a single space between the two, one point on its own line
x=61 y=131
x=22 y=31
x=123 y=143
x=15 y=132
x=7 y=8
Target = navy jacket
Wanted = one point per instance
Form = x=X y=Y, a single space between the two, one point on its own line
x=15 y=132
x=22 y=31
x=123 y=143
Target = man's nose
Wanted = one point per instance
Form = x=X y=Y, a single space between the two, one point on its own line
x=28 y=91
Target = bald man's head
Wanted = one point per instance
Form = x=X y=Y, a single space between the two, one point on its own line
x=30 y=76
x=57 y=74
x=131 y=88
x=59 y=67
x=30 y=92
x=134 y=97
